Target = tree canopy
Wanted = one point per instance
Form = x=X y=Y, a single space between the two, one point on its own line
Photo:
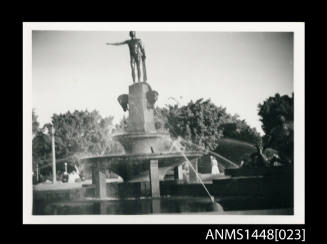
x=78 y=133
x=239 y=129
x=203 y=123
x=82 y=131
x=35 y=123
x=277 y=116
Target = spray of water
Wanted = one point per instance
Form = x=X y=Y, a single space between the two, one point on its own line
x=232 y=164
x=178 y=148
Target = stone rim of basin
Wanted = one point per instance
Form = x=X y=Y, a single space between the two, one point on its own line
x=160 y=155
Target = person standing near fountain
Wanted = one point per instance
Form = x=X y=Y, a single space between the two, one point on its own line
x=137 y=54
x=214 y=166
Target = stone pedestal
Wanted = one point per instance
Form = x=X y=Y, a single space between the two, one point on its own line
x=192 y=174
x=178 y=173
x=99 y=180
x=140 y=118
x=141 y=136
x=144 y=148
x=154 y=178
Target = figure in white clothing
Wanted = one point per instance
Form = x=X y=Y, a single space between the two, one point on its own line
x=73 y=177
x=214 y=166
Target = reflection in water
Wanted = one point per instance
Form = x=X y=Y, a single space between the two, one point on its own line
x=168 y=205
x=139 y=206
x=155 y=205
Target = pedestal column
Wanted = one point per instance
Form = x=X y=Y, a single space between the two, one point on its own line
x=154 y=178
x=178 y=173
x=141 y=118
x=99 y=180
x=193 y=176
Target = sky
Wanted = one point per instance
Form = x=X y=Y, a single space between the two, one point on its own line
x=237 y=70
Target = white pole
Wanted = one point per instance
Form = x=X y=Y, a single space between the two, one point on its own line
x=37 y=172
x=54 y=175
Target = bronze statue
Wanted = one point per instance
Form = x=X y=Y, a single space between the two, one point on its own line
x=137 y=53
x=259 y=159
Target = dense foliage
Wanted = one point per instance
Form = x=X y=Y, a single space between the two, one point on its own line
x=240 y=130
x=203 y=123
x=41 y=148
x=82 y=131
x=77 y=134
x=277 y=116
x=35 y=123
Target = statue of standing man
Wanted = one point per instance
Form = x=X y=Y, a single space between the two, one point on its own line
x=137 y=53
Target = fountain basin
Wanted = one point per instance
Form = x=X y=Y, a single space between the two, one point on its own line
x=136 y=143
x=135 y=167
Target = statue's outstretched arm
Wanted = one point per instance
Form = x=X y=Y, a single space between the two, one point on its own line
x=117 y=43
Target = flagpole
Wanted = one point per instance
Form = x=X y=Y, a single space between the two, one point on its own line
x=54 y=175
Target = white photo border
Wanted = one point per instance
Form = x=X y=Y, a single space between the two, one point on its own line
x=297 y=28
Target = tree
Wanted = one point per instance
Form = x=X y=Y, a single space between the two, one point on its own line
x=204 y=123
x=35 y=123
x=199 y=122
x=277 y=115
x=41 y=143
x=240 y=130
x=77 y=134
x=81 y=132
x=41 y=148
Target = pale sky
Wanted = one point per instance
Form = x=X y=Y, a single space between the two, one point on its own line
x=237 y=70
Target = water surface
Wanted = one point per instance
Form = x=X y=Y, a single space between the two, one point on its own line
x=167 y=205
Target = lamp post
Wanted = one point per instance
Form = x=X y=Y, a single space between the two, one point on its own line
x=54 y=175
x=37 y=172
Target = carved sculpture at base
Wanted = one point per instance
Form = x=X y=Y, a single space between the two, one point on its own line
x=123 y=101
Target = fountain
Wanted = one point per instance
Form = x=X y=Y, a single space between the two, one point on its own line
x=148 y=155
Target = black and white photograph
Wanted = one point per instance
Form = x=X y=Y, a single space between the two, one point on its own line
x=164 y=123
